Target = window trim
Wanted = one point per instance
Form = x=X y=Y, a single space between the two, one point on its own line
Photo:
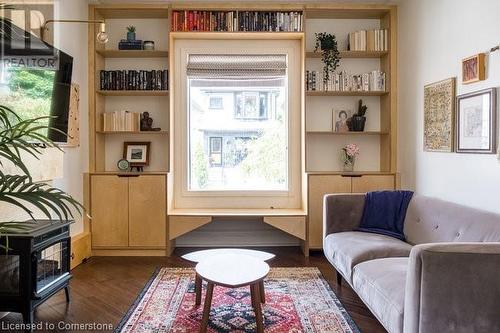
x=184 y=199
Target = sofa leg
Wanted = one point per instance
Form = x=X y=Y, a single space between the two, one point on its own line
x=339 y=279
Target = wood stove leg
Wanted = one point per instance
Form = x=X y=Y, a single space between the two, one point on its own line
x=28 y=318
x=66 y=292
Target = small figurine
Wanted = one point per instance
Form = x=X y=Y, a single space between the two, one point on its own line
x=147 y=123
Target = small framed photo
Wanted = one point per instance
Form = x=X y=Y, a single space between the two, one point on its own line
x=473 y=69
x=137 y=153
x=476 y=122
x=340 y=120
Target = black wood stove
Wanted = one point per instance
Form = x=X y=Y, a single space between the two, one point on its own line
x=35 y=267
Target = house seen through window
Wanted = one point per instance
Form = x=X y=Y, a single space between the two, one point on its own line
x=238 y=128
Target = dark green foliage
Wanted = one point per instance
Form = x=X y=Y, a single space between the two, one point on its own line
x=330 y=54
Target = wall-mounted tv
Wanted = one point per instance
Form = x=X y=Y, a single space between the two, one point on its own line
x=32 y=90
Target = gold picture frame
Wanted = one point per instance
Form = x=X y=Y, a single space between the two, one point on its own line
x=439 y=119
x=473 y=69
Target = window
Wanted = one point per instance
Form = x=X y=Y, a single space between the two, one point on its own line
x=215 y=102
x=242 y=144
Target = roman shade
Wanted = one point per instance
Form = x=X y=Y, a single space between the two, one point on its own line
x=236 y=66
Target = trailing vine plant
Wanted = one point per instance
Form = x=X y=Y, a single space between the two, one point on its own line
x=330 y=54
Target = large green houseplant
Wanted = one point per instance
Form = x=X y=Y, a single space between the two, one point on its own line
x=20 y=190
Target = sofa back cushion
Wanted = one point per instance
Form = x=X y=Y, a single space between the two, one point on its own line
x=431 y=220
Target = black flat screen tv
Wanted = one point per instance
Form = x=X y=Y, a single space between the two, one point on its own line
x=36 y=91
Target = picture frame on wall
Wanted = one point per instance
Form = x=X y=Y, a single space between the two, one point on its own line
x=473 y=69
x=439 y=111
x=476 y=122
x=137 y=153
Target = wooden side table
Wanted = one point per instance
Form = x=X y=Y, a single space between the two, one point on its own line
x=233 y=271
x=198 y=256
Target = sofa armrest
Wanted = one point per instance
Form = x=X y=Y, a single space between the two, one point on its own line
x=453 y=287
x=342 y=212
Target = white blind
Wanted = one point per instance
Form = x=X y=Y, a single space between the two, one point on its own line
x=236 y=66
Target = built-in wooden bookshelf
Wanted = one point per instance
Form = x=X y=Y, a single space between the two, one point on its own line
x=377 y=168
x=134 y=132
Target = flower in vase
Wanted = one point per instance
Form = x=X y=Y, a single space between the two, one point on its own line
x=349 y=153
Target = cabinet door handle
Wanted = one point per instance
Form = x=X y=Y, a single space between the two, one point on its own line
x=352 y=176
x=128 y=175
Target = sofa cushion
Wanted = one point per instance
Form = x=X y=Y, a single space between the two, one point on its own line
x=431 y=220
x=380 y=283
x=345 y=250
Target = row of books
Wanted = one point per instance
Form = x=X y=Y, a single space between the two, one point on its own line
x=121 y=121
x=369 y=40
x=195 y=20
x=134 y=80
x=343 y=81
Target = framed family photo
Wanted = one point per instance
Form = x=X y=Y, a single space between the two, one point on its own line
x=473 y=68
x=476 y=122
x=340 y=119
x=137 y=153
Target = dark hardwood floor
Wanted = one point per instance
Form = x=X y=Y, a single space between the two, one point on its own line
x=103 y=288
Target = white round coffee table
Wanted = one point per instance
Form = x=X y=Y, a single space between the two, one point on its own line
x=201 y=255
x=232 y=270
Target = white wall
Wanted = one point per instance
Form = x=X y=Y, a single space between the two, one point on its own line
x=72 y=39
x=434 y=35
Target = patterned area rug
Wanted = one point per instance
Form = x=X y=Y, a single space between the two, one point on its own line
x=297 y=300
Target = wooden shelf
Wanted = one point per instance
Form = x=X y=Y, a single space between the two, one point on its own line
x=237 y=212
x=133 y=92
x=340 y=11
x=346 y=93
x=130 y=174
x=346 y=133
x=352 y=54
x=350 y=174
x=132 y=54
x=135 y=11
x=133 y=132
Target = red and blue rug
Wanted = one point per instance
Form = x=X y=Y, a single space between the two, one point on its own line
x=297 y=300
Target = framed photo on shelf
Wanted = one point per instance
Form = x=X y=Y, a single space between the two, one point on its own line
x=439 y=106
x=340 y=119
x=137 y=153
x=473 y=69
x=476 y=122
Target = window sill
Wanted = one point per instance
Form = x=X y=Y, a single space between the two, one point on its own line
x=237 y=212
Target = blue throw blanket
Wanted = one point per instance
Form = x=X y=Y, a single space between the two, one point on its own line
x=385 y=213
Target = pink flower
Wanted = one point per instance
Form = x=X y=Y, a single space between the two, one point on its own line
x=351 y=150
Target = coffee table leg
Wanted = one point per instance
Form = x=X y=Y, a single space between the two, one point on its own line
x=262 y=292
x=206 y=307
x=254 y=291
x=197 y=289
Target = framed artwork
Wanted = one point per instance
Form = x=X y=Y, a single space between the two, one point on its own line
x=340 y=118
x=439 y=106
x=476 y=122
x=137 y=153
x=473 y=69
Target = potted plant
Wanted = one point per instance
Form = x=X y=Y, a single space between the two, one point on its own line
x=131 y=33
x=21 y=190
x=358 y=120
x=348 y=155
x=330 y=55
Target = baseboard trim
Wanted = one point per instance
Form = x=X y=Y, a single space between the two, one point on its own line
x=80 y=248
x=129 y=253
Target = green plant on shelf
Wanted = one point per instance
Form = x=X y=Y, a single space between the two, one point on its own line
x=330 y=54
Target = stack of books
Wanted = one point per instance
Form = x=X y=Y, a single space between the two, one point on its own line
x=369 y=40
x=126 y=44
x=134 y=80
x=195 y=20
x=121 y=121
x=270 y=21
x=343 y=81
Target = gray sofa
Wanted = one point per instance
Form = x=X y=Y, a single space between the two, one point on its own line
x=444 y=278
